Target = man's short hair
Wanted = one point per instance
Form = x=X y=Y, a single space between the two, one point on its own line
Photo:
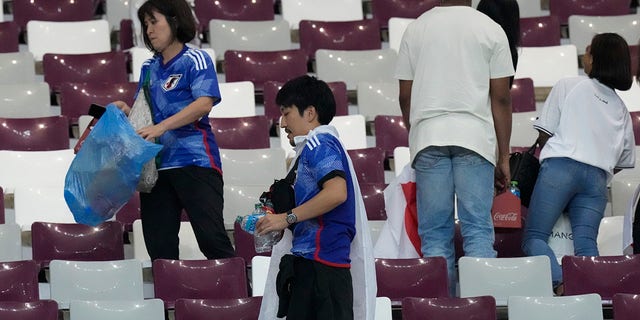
x=306 y=91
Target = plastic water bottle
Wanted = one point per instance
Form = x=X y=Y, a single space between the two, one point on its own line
x=248 y=222
x=513 y=188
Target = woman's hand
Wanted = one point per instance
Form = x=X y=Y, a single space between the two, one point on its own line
x=151 y=132
x=122 y=106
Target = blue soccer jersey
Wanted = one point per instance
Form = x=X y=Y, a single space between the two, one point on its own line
x=174 y=85
x=326 y=238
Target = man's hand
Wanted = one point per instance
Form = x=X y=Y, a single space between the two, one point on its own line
x=271 y=222
x=502 y=175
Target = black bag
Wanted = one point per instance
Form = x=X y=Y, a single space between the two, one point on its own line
x=524 y=169
x=281 y=193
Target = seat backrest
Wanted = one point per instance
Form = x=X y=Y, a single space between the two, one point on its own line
x=390 y=132
x=522 y=132
x=176 y=279
x=76 y=37
x=504 y=277
x=418 y=277
x=148 y=309
x=565 y=8
x=601 y=275
x=523 y=97
x=2 y=221
x=244 y=245
x=188 y=248
x=46 y=168
x=129 y=213
x=540 y=31
x=43 y=204
x=626 y=306
x=378 y=98
x=238 y=100
x=546 y=65
x=253 y=166
x=267 y=35
x=583 y=307
x=75 y=98
x=17 y=67
x=241 y=132
x=383 y=10
x=339 y=35
x=205 y=309
x=95 y=280
x=51 y=10
x=259 y=271
x=262 y=66
x=32 y=310
x=383 y=309
x=401 y=157
x=610 y=236
x=238 y=10
x=77 y=242
x=25 y=100
x=9 y=35
x=368 y=164
x=583 y=28
x=117 y=10
x=373 y=197
x=397 y=26
x=107 y=67
x=352 y=131
x=294 y=11
x=272 y=110
x=10 y=242
x=19 y=281
x=138 y=56
x=34 y=134
x=451 y=308
x=354 y=66
x=531 y=9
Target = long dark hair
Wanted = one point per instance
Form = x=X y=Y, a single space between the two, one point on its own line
x=611 y=61
x=179 y=17
x=506 y=13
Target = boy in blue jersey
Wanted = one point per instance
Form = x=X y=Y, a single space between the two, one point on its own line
x=315 y=279
x=183 y=88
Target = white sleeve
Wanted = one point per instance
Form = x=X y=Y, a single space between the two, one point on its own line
x=404 y=68
x=549 y=117
x=628 y=156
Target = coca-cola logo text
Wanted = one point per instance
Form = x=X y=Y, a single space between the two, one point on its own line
x=508 y=216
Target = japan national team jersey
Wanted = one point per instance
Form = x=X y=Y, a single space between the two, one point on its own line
x=188 y=76
x=327 y=238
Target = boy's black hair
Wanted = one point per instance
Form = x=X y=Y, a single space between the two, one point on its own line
x=306 y=91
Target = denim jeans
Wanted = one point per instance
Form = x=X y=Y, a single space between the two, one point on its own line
x=565 y=185
x=441 y=173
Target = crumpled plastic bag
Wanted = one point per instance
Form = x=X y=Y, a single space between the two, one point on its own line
x=104 y=174
x=140 y=117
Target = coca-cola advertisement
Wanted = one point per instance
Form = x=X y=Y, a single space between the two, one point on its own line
x=506 y=211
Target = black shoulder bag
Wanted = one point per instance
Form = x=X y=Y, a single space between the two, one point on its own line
x=524 y=167
x=281 y=192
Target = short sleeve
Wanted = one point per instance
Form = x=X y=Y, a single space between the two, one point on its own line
x=404 y=68
x=549 y=117
x=628 y=156
x=204 y=80
x=326 y=159
x=500 y=64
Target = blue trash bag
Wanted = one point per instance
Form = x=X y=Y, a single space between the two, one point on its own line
x=104 y=174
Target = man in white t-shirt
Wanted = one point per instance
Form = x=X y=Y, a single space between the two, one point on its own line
x=453 y=67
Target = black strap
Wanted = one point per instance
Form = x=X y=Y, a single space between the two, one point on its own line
x=147 y=94
x=291 y=176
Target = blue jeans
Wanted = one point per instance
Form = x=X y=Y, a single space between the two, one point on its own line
x=441 y=173
x=565 y=185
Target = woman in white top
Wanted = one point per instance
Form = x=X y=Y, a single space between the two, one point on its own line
x=586 y=136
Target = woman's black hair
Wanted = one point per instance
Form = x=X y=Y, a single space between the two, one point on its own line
x=506 y=13
x=611 y=61
x=178 y=14
x=306 y=91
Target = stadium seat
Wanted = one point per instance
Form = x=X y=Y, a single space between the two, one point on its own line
x=396 y=31
x=610 y=236
x=51 y=10
x=107 y=67
x=10 y=242
x=383 y=10
x=373 y=197
x=293 y=11
x=34 y=134
x=378 y=98
x=339 y=35
x=383 y=309
x=237 y=10
x=46 y=168
x=268 y=35
x=183 y=279
x=565 y=8
x=19 y=281
x=390 y=132
x=530 y=8
x=241 y=132
x=116 y=11
x=75 y=98
x=205 y=309
x=582 y=28
x=583 y=307
x=542 y=31
x=523 y=97
x=418 y=277
x=68 y=37
x=2 y=217
x=149 y=309
x=244 y=245
x=626 y=306
x=401 y=158
x=95 y=280
x=262 y=66
x=368 y=164
x=188 y=247
x=9 y=36
x=25 y=100
x=259 y=272
x=32 y=310
x=76 y=242
x=546 y=65
x=450 y=308
x=505 y=277
x=352 y=131
x=253 y=166
x=129 y=213
x=17 y=67
x=238 y=100
x=40 y=204
x=354 y=66
x=604 y=275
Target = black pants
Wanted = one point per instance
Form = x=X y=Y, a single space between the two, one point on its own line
x=198 y=191
x=320 y=292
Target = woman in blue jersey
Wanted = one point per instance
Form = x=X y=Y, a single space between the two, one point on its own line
x=183 y=87
x=586 y=136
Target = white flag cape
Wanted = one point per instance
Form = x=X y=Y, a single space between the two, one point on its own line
x=363 y=272
x=398 y=238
